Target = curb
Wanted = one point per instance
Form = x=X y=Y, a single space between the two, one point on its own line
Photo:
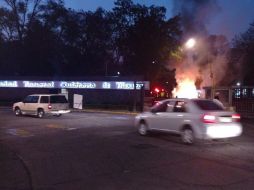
x=105 y=111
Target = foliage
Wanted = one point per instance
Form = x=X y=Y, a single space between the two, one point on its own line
x=48 y=39
x=242 y=56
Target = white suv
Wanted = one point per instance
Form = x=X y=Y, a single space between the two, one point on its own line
x=191 y=118
x=41 y=104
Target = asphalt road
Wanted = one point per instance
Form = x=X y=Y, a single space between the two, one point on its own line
x=90 y=151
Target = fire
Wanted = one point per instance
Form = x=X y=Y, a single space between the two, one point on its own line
x=185 y=89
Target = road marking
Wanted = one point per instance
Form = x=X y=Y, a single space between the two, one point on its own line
x=19 y=132
x=56 y=126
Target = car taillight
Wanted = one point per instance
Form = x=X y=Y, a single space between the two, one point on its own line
x=49 y=106
x=236 y=117
x=207 y=118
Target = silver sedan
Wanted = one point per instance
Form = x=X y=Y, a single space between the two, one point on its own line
x=191 y=118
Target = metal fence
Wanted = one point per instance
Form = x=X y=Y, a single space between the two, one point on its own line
x=243 y=99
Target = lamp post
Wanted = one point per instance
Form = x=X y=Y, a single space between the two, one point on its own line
x=190 y=43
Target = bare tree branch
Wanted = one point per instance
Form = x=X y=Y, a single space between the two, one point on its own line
x=23 y=17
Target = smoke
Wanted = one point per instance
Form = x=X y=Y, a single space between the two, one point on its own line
x=209 y=56
x=196 y=14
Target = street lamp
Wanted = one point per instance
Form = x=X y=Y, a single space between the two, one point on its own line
x=190 y=43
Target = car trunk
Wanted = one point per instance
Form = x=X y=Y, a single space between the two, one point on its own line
x=221 y=117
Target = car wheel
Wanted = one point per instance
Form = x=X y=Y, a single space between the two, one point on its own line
x=58 y=115
x=18 y=112
x=142 y=129
x=40 y=113
x=187 y=136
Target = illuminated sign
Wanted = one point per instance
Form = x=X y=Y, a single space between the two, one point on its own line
x=106 y=85
x=38 y=84
x=84 y=85
x=125 y=85
x=9 y=84
x=111 y=85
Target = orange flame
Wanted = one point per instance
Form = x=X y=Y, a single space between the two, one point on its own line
x=185 y=89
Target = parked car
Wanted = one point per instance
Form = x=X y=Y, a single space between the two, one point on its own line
x=42 y=104
x=191 y=118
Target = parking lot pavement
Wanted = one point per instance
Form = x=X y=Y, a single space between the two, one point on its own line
x=14 y=174
x=103 y=151
x=86 y=110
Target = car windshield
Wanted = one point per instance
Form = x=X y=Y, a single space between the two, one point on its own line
x=58 y=99
x=208 y=105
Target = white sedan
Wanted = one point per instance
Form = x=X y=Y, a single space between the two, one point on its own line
x=191 y=118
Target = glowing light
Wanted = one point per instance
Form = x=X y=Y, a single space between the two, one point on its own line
x=224 y=131
x=186 y=89
x=8 y=84
x=190 y=43
x=157 y=90
x=116 y=85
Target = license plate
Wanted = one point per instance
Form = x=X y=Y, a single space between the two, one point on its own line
x=225 y=119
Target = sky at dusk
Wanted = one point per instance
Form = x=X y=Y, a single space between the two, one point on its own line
x=233 y=18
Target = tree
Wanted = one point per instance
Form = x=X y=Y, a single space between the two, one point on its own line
x=145 y=40
x=242 y=55
x=50 y=39
x=17 y=16
x=96 y=44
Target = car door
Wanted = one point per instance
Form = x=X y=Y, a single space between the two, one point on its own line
x=44 y=102
x=30 y=104
x=26 y=104
x=168 y=117
x=158 y=116
x=178 y=115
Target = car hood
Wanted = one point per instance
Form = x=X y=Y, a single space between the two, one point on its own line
x=17 y=103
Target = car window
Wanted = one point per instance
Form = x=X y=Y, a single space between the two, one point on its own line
x=170 y=106
x=34 y=99
x=160 y=107
x=44 y=99
x=58 y=99
x=27 y=99
x=31 y=99
x=208 y=105
x=180 y=106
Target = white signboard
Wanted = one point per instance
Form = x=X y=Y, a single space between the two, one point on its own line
x=78 y=101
